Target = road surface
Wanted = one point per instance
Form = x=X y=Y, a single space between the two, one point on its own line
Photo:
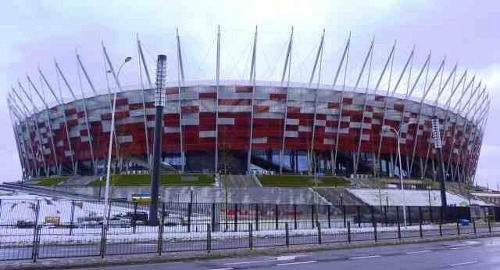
x=460 y=254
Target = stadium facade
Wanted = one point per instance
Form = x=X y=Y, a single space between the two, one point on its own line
x=281 y=126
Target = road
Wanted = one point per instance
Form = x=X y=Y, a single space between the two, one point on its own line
x=481 y=254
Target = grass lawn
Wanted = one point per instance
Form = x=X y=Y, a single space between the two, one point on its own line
x=51 y=181
x=167 y=180
x=301 y=181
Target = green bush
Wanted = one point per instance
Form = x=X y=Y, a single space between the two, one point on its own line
x=51 y=181
x=167 y=180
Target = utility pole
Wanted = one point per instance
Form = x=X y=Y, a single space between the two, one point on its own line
x=161 y=70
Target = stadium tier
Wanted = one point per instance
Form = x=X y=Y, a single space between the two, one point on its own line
x=283 y=126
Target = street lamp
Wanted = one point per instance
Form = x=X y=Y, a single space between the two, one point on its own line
x=398 y=134
x=110 y=149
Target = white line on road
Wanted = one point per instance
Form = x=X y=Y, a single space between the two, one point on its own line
x=221 y=269
x=365 y=257
x=417 y=252
x=294 y=263
x=464 y=263
x=248 y=262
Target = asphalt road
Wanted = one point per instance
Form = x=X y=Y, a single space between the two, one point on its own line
x=481 y=254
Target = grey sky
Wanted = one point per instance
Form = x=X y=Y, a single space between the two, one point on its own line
x=35 y=32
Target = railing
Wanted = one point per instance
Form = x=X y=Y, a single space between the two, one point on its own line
x=78 y=231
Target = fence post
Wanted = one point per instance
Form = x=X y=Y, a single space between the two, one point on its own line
x=458 y=226
x=102 y=250
x=375 y=232
x=329 y=217
x=36 y=243
x=72 y=218
x=344 y=214
x=385 y=215
x=287 y=235
x=190 y=210
x=134 y=218
x=372 y=213
x=430 y=214
x=209 y=238
x=36 y=232
x=409 y=215
x=235 y=217
x=161 y=227
x=295 y=216
x=212 y=218
x=420 y=214
x=399 y=229
x=489 y=223
x=358 y=209
x=318 y=225
x=440 y=229
x=276 y=214
x=312 y=216
x=474 y=225
x=348 y=232
x=256 y=217
x=250 y=236
x=420 y=229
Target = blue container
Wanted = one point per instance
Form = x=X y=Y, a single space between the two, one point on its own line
x=464 y=222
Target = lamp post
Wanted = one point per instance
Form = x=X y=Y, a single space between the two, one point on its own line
x=110 y=151
x=161 y=73
x=438 y=145
x=398 y=134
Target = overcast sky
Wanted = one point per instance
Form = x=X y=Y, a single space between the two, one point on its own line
x=35 y=32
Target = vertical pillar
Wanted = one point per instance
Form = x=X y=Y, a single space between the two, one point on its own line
x=158 y=133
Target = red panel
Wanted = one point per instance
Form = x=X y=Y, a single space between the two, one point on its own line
x=234 y=102
x=190 y=109
x=208 y=95
x=243 y=89
x=260 y=109
x=277 y=97
x=172 y=91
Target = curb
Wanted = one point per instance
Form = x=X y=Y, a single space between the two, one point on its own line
x=96 y=262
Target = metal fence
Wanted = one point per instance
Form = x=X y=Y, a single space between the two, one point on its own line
x=49 y=228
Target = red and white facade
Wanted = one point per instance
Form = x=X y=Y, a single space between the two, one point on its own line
x=282 y=126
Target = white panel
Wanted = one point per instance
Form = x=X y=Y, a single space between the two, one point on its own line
x=344 y=131
x=320 y=123
x=207 y=134
x=291 y=134
x=136 y=113
x=171 y=130
x=305 y=128
x=207 y=105
x=355 y=124
x=290 y=121
x=238 y=108
x=259 y=140
x=225 y=121
x=68 y=153
x=124 y=139
x=268 y=115
x=328 y=141
x=365 y=137
x=190 y=121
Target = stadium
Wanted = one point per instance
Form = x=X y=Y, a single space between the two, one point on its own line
x=247 y=125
